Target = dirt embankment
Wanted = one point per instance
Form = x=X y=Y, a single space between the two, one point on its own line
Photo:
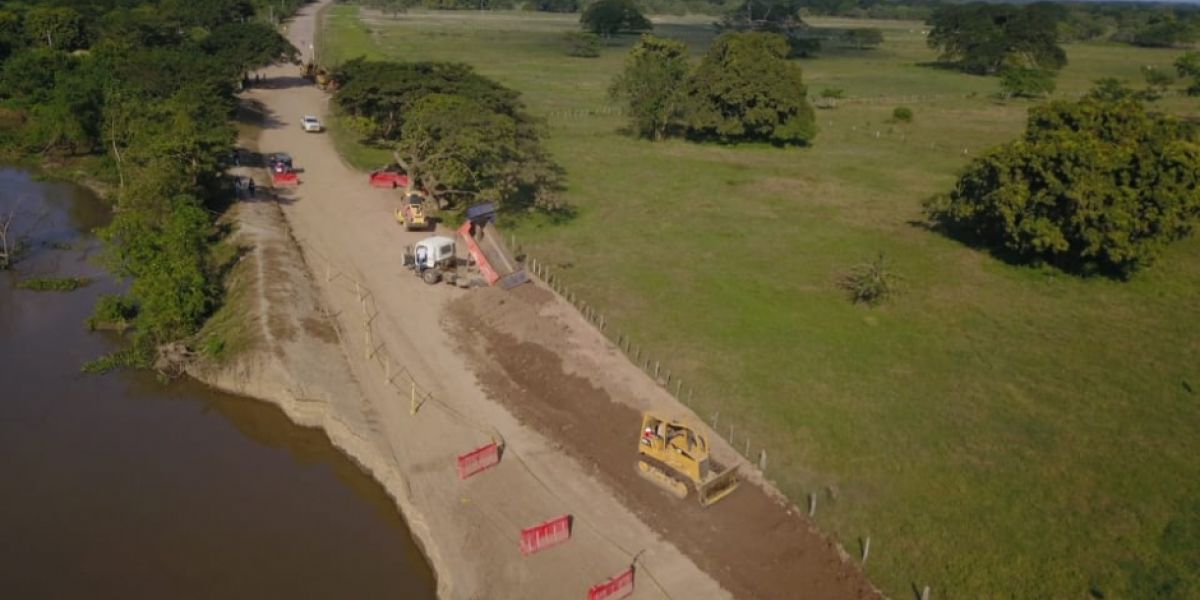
x=559 y=376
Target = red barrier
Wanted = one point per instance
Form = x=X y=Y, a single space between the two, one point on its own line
x=546 y=535
x=388 y=179
x=287 y=178
x=478 y=459
x=618 y=586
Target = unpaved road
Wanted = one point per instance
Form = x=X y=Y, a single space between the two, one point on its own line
x=559 y=458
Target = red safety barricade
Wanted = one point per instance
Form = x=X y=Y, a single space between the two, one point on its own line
x=546 y=535
x=617 y=586
x=478 y=459
x=285 y=179
x=388 y=179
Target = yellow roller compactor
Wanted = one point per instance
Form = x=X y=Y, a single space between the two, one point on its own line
x=672 y=454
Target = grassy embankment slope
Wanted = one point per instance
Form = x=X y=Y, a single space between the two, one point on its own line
x=997 y=431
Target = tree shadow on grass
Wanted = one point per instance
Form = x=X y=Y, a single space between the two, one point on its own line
x=972 y=236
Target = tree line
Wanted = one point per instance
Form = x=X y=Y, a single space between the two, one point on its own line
x=743 y=90
x=459 y=135
x=145 y=89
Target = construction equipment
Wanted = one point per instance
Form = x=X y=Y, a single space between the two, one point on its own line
x=486 y=246
x=411 y=213
x=435 y=259
x=672 y=454
x=391 y=176
x=316 y=74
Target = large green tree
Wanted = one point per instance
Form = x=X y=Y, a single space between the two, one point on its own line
x=1188 y=66
x=458 y=134
x=745 y=89
x=610 y=17
x=984 y=38
x=651 y=85
x=1097 y=185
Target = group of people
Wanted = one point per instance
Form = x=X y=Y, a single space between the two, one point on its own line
x=245 y=186
x=248 y=80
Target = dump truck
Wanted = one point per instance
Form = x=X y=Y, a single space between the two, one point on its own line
x=486 y=246
x=673 y=455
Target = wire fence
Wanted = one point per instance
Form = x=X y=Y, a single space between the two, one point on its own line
x=737 y=434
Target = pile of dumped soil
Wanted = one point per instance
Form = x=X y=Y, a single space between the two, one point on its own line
x=753 y=545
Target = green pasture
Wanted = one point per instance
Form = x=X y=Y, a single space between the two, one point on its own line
x=998 y=431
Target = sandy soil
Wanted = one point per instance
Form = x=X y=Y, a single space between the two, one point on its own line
x=522 y=367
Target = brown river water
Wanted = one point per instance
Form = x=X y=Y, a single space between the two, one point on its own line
x=119 y=486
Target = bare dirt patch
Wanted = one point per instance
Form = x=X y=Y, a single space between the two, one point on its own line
x=754 y=545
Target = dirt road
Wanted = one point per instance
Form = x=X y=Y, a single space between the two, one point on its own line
x=469 y=529
x=490 y=381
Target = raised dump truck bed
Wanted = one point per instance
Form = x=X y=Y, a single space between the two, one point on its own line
x=486 y=245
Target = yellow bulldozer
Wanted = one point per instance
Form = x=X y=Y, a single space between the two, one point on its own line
x=316 y=74
x=673 y=454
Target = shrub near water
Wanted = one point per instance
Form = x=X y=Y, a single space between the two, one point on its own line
x=1096 y=185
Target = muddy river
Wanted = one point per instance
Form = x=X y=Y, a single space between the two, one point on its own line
x=118 y=486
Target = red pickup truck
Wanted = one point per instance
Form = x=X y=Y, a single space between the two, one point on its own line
x=389 y=177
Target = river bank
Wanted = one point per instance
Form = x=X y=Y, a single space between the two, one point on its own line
x=120 y=486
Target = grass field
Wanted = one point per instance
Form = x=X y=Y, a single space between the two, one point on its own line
x=998 y=431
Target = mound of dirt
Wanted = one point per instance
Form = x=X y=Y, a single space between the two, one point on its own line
x=533 y=353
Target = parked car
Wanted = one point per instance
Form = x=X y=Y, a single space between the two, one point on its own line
x=311 y=124
x=279 y=162
x=391 y=176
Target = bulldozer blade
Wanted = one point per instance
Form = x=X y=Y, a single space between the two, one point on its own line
x=718 y=487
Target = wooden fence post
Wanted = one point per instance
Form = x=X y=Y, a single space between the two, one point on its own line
x=762 y=461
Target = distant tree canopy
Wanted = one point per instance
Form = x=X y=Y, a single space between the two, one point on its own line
x=610 y=17
x=651 y=85
x=1098 y=185
x=1166 y=31
x=984 y=38
x=743 y=90
x=458 y=134
x=863 y=37
x=776 y=16
x=1026 y=83
x=1188 y=67
x=559 y=6
x=149 y=85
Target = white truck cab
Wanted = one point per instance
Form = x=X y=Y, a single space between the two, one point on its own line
x=432 y=258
